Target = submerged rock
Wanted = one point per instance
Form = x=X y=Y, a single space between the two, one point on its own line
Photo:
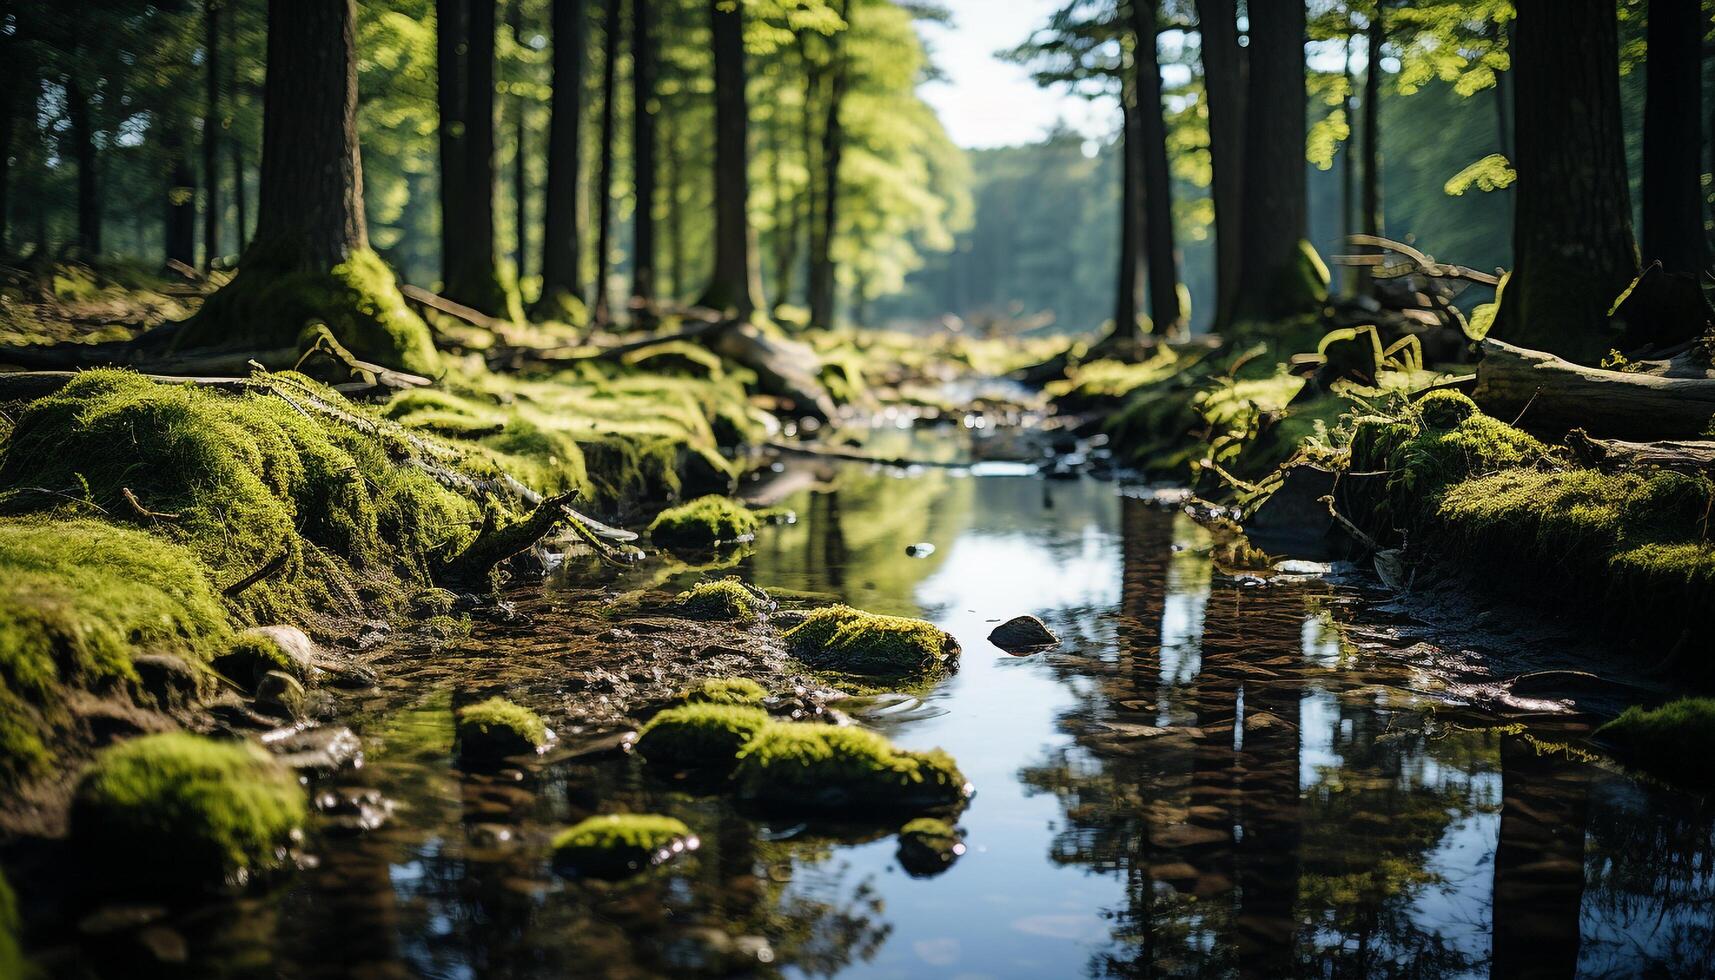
x=179 y=809
x=698 y=735
x=1023 y=634
x=703 y=523
x=491 y=730
x=928 y=846
x=724 y=599
x=261 y=649
x=279 y=694
x=621 y=844
x=726 y=690
x=856 y=642
x=807 y=766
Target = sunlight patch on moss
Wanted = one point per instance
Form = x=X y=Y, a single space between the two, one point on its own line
x=700 y=735
x=620 y=844
x=848 y=640
x=802 y=765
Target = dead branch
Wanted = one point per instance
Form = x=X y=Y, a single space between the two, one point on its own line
x=1689 y=457
x=144 y=512
x=494 y=544
x=1545 y=392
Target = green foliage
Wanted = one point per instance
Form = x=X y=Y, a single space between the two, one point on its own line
x=851 y=641
x=621 y=844
x=808 y=766
x=1440 y=441
x=1675 y=741
x=184 y=810
x=78 y=600
x=703 y=523
x=727 y=690
x=700 y=735
x=496 y=728
x=1491 y=173
x=727 y=598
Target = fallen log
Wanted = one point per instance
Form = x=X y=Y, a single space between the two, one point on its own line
x=785 y=368
x=1689 y=456
x=1542 y=392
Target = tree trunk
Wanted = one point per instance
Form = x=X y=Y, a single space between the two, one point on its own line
x=1160 y=250
x=1376 y=36
x=476 y=282
x=733 y=285
x=211 y=126
x=235 y=145
x=1673 y=143
x=12 y=73
x=1572 y=226
x=823 y=278
x=604 y=181
x=1348 y=170
x=1272 y=281
x=1503 y=100
x=1224 y=82
x=520 y=176
x=563 y=222
x=1126 y=328
x=675 y=210
x=181 y=212
x=643 y=157
x=451 y=38
x=83 y=153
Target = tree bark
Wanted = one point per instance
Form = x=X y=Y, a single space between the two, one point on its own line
x=1161 y=251
x=733 y=285
x=1547 y=393
x=1673 y=143
x=604 y=181
x=1276 y=205
x=451 y=39
x=1348 y=168
x=1572 y=225
x=181 y=199
x=83 y=152
x=643 y=156
x=1224 y=74
x=823 y=276
x=1126 y=328
x=563 y=222
x=1375 y=37
x=520 y=174
x=476 y=282
x=235 y=145
x=675 y=210
x=211 y=126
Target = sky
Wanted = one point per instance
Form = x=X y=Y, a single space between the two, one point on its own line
x=988 y=102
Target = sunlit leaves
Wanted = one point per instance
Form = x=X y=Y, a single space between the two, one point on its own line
x=1491 y=173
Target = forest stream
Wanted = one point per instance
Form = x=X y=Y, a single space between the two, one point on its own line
x=1210 y=774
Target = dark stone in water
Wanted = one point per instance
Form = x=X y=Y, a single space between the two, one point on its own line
x=1023 y=634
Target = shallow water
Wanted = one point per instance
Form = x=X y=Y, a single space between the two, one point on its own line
x=1207 y=777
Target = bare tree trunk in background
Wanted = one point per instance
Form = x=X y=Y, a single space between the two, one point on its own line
x=1572 y=228
x=451 y=36
x=83 y=153
x=180 y=229
x=823 y=278
x=643 y=159
x=1673 y=138
x=604 y=180
x=563 y=220
x=211 y=126
x=1375 y=37
x=733 y=286
x=520 y=176
x=1503 y=99
x=1276 y=205
x=1348 y=167
x=1126 y=328
x=675 y=209
x=13 y=73
x=476 y=281
x=1224 y=81
x=809 y=211
x=235 y=145
x=1161 y=251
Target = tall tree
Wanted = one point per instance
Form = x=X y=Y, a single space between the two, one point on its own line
x=211 y=127
x=643 y=156
x=823 y=228
x=1673 y=138
x=1273 y=280
x=563 y=218
x=476 y=280
x=82 y=130
x=1572 y=226
x=604 y=177
x=1371 y=219
x=1161 y=252
x=733 y=285
x=1224 y=83
x=520 y=143
x=1126 y=328
x=451 y=40
x=180 y=215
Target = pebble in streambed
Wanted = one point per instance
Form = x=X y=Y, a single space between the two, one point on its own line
x=921 y=549
x=1022 y=635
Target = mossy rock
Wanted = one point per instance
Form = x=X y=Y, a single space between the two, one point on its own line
x=619 y=845
x=258 y=650
x=177 y=810
x=726 y=690
x=79 y=599
x=1675 y=741
x=703 y=523
x=837 y=768
x=700 y=735
x=725 y=599
x=495 y=729
x=358 y=301
x=851 y=641
x=929 y=846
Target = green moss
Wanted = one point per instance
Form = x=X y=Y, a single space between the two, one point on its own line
x=725 y=599
x=700 y=735
x=253 y=653
x=79 y=599
x=727 y=690
x=855 y=642
x=830 y=767
x=703 y=523
x=497 y=728
x=12 y=962
x=358 y=300
x=1443 y=441
x=187 y=810
x=928 y=846
x=1675 y=741
x=621 y=844
x=250 y=482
